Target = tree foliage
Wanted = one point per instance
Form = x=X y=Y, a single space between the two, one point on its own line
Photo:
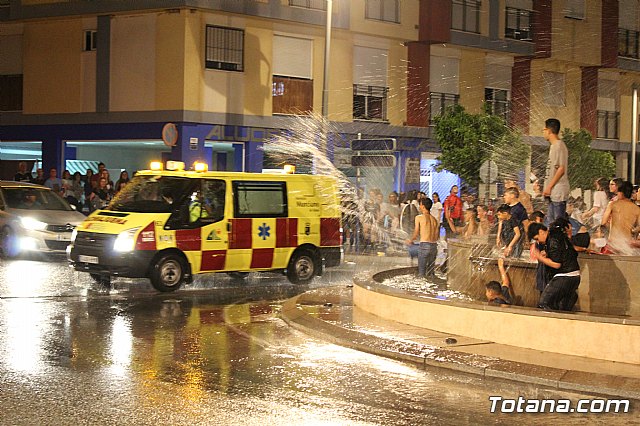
x=585 y=163
x=467 y=140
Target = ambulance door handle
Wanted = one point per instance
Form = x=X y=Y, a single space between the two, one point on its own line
x=229 y=226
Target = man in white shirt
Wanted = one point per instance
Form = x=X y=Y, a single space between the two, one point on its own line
x=557 y=181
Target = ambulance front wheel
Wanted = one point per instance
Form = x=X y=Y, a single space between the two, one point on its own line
x=302 y=267
x=168 y=273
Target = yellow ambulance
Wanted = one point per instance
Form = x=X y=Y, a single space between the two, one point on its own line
x=168 y=224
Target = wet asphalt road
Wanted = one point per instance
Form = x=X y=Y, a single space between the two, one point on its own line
x=214 y=352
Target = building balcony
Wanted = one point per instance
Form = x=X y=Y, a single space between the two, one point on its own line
x=370 y=102
x=628 y=43
x=499 y=108
x=608 y=122
x=309 y=4
x=440 y=102
x=518 y=24
x=465 y=15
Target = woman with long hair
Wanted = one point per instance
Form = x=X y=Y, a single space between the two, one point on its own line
x=614 y=186
x=600 y=201
x=122 y=181
x=75 y=191
x=436 y=209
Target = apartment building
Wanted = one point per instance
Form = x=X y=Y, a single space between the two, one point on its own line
x=126 y=82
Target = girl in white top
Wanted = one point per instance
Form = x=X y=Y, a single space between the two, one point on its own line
x=436 y=210
x=600 y=201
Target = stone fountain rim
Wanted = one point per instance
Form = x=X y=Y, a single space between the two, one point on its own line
x=372 y=282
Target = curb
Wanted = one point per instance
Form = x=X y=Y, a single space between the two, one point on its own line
x=423 y=356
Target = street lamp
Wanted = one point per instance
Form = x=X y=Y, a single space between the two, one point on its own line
x=327 y=50
x=634 y=133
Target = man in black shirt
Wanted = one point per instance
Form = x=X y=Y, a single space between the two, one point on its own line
x=23 y=175
x=561 y=260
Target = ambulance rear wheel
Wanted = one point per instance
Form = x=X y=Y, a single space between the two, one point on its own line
x=103 y=280
x=168 y=273
x=238 y=275
x=302 y=267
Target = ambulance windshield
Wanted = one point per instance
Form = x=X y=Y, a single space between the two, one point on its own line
x=152 y=194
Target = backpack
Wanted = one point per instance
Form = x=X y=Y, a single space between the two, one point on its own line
x=408 y=218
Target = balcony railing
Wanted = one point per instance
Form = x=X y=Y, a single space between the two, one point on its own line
x=370 y=102
x=518 y=24
x=628 y=43
x=440 y=102
x=608 y=124
x=500 y=108
x=465 y=15
x=309 y=4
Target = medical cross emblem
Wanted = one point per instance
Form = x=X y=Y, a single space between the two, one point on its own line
x=264 y=231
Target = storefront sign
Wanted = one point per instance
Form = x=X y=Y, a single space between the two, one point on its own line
x=242 y=134
x=412 y=170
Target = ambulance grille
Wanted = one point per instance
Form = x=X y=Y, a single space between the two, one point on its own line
x=93 y=239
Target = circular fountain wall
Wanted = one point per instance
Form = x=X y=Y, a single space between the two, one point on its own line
x=607 y=326
x=609 y=284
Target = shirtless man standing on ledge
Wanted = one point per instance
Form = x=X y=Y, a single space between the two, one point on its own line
x=426 y=226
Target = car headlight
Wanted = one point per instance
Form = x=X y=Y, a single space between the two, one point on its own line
x=32 y=224
x=125 y=241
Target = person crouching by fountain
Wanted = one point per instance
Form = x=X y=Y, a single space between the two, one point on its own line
x=426 y=227
x=535 y=249
x=500 y=294
x=509 y=232
x=561 y=260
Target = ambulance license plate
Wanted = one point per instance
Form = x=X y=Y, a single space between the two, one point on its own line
x=87 y=259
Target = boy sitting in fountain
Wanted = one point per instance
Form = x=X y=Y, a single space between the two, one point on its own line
x=500 y=294
x=509 y=232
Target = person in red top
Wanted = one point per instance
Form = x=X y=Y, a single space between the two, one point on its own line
x=452 y=213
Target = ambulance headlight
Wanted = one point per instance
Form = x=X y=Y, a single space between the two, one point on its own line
x=32 y=224
x=125 y=241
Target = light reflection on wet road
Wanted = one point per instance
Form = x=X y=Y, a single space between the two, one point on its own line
x=215 y=352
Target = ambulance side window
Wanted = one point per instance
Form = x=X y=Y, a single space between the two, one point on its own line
x=207 y=202
x=260 y=199
x=214 y=191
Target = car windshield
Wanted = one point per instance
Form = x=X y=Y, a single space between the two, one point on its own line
x=27 y=198
x=152 y=194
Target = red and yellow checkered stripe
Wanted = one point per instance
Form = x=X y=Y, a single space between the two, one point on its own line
x=251 y=244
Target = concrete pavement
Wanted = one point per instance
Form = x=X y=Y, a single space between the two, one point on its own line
x=328 y=313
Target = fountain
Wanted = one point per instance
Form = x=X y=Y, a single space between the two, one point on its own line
x=609 y=293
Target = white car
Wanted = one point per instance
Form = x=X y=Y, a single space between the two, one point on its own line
x=33 y=218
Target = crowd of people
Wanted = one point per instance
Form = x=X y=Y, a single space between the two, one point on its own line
x=552 y=224
x=88 y=192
